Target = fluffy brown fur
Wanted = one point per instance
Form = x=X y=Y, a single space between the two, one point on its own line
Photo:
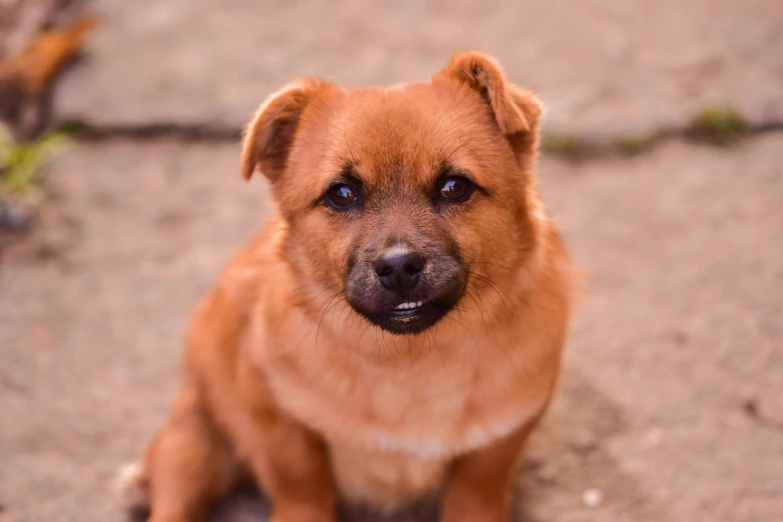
x=298 y=370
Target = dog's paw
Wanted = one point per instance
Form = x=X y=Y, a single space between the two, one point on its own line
x=131 y=488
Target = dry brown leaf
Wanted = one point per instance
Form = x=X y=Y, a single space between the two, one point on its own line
x=36 y=66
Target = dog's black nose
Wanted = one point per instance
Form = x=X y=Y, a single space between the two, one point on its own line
x=399 y=269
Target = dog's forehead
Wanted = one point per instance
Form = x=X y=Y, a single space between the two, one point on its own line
x=409 y=129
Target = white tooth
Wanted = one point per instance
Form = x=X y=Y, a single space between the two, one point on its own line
x=418 y=304
x=404 y=306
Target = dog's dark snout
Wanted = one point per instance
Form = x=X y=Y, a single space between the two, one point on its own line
x=399 y=269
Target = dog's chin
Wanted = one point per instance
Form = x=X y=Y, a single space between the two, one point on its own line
x=412 y=320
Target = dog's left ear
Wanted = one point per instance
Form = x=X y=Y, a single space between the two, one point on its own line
x=516 y=111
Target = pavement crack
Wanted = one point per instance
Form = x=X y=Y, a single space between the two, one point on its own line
x=209 y=133
x=573 y=148
x=580 y=149
x=763 y=412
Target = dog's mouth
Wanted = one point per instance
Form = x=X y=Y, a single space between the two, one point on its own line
x=408 y=312
x=410 y=317
x=408 y=307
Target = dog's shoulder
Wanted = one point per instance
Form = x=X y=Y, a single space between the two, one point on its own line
x=222 y=315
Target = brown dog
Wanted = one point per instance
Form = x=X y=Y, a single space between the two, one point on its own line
x=396 y=329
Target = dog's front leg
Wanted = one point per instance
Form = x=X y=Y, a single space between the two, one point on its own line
x=288 y=460
x=480 y=484
x=291 y=465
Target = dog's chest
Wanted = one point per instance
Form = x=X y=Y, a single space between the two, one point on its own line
x=399 y=454
x=391 y=435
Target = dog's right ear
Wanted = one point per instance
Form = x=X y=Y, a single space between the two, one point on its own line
x=516 y=110
x=270 y=134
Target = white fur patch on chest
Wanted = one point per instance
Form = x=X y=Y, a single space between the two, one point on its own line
x=391 y=467
x=400 y=87
x=435 y=449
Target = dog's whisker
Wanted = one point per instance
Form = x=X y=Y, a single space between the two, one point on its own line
x=316 y=283
x=308 y=302
x=458 y=320
x=359 y=341
x=323 y=314
x=339 y=315
x=496 y=265
x=437 y=349
x=318 y=310
x=505 y=298
x=478 y=306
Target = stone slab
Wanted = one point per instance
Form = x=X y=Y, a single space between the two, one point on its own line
x=603 y=67
x=680 y=325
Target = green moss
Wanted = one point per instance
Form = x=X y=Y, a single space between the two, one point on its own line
x=720 y=125
x=632 y=144
x=564 y=145
x=21 y=163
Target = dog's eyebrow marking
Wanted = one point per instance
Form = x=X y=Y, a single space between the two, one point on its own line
x=348 y=173
x=444 y=169
x=345 y=161
x=350 y=151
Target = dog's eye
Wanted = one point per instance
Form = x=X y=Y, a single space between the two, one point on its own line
x=341 y=196
x=456 y=188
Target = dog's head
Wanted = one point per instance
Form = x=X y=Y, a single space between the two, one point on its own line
x=402 y=196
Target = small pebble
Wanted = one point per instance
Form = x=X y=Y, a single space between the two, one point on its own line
x=547 y=474
x=592 y=497
x=15 y=217
x=584 y=442
x=653 y=437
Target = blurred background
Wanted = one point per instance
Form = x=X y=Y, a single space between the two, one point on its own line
x=121 y=199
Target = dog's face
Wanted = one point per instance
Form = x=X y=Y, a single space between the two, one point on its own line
x=401 y=197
